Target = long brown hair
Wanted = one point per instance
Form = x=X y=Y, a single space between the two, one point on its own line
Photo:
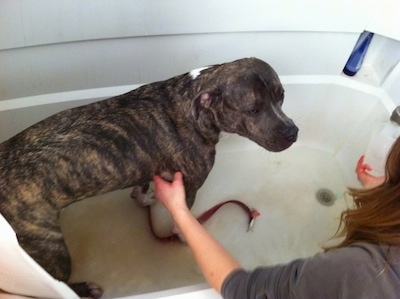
x=376 y=216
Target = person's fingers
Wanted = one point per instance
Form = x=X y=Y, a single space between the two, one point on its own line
x=361 y=166
x=178 y=177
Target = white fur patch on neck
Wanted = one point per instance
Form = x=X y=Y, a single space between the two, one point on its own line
x=195 y=73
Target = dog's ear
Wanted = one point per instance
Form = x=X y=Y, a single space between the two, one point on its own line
x=205 y=100
x=201 y=109
x=201 y=101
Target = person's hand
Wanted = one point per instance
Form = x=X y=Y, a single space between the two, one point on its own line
x=171 y=194
x=366 y=179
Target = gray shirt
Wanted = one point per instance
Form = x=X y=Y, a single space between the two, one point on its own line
x=361 y=270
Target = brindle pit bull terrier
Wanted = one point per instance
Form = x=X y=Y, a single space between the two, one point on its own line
x=159 y=128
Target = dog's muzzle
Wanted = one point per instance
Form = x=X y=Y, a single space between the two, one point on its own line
x=282 y=139
x=290 y=134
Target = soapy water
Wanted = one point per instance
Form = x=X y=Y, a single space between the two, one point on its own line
x=111 y=244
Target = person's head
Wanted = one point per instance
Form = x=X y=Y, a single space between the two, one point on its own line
x=376 y=216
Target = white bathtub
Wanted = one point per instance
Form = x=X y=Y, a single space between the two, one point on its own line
x=56 y=55
x=109 y=237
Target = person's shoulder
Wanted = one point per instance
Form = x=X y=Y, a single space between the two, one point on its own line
x=361 y=270
x=362 y=255
x=358 y=250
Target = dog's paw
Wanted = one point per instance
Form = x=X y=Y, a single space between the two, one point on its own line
x=144 y=195
x=87 y=290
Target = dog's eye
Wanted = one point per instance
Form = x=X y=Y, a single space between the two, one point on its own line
x=253 y=111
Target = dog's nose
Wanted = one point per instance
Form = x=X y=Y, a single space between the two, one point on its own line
x=290 y=133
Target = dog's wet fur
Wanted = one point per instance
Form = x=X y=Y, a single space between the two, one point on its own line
x=159 y=128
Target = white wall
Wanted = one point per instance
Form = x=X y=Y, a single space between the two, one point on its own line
x=52 y=46
x=30 y=23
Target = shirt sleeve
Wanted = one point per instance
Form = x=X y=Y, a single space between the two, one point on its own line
x=353 y=272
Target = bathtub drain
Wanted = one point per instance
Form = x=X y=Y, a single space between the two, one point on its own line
x=325 y=197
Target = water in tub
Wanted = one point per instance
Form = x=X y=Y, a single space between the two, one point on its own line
x=111 y=243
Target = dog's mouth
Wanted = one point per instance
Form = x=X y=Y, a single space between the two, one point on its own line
x=281 y=140
x=278 y=146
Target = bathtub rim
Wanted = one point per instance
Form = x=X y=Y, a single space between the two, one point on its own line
x=201 y=290
x=107 y=92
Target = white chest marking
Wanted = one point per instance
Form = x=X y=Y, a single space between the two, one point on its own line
x=197 y=72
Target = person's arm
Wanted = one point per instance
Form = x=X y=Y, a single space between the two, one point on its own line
x=214 y=261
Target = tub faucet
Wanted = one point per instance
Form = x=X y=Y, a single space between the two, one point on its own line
x=395 y=117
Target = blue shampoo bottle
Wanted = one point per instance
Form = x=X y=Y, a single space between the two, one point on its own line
x=356 y=58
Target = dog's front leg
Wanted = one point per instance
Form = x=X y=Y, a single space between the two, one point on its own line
x=161 y=220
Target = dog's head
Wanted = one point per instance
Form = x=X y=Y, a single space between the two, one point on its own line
x=244 y=97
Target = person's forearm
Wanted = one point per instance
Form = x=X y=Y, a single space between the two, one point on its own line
x=214 y=261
